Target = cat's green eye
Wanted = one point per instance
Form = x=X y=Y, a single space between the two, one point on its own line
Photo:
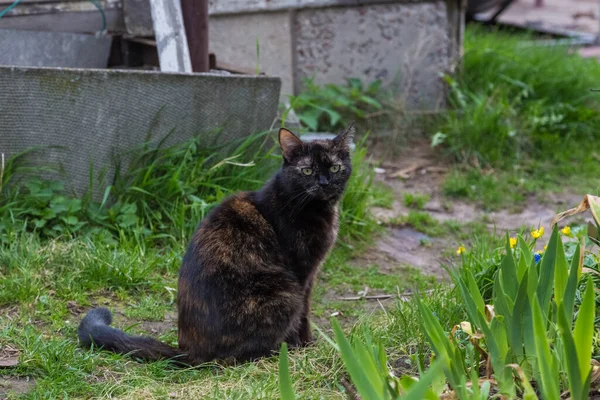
x=334 y=168
x=307 y=171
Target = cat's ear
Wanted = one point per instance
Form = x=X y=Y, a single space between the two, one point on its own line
x=345 y=137
x=288 y=142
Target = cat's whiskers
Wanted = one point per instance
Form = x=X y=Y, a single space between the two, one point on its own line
x=301 y=192
x=299 y=205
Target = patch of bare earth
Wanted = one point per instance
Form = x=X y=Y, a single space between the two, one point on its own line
x=11 y=386
x=419 y=171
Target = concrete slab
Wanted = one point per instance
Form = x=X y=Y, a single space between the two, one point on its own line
x=53 y=49
x=94 y=118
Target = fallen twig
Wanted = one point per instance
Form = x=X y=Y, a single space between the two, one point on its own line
x=376 y=297
x=401 y=296
x=408 y=172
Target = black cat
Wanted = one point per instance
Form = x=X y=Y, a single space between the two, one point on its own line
x=247 y=276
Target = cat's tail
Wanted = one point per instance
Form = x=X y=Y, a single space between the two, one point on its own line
x=95 y=328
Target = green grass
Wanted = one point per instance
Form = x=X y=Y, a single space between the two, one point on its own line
x=422 y=222
x=60 y=256
x=526 y=112
x=125 y=255
x=415 y=200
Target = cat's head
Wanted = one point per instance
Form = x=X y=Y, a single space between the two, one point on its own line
x=319 y=169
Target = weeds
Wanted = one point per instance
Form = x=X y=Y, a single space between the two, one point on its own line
x=416 y=201
x=324 y=108
x=520 y=104
x=422 y=222
x=520 y=118
x=124 y=253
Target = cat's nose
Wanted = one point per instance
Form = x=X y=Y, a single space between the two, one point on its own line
x=323 y=181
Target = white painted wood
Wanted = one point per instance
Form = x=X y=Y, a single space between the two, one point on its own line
x=171 y=40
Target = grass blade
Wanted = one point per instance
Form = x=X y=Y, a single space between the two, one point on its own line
x=285 y=383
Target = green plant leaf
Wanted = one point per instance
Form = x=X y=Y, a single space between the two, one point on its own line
x=311 y=118
x=510 y=282
x=570 y=354
x=525 y=258
x=438 y=138
x=334 y=117
x=355 y=369
x=546 y=274
x=583 y=334
x=48 y=213
x=443 y=347
x=70 y=220
x=516 y=326
x=372 y=102
x=547 y=368
x=354 y=83
x=285 y=383
x=571 y=288
x=475 y=293
x=561 y=273
x=420 y=389
x=369 y=364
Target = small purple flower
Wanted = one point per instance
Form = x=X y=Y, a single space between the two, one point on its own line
x=537 y=257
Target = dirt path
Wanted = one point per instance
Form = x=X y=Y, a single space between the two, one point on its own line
x=419 y=171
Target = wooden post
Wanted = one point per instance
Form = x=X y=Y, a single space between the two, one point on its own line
x=171 y=40
x=195 y=17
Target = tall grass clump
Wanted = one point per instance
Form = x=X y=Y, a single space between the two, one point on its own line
x=164 y=193
x=517 y=104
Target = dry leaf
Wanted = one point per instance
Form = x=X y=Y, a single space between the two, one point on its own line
x=489 y=312
x=587 y=270
x=589 y=203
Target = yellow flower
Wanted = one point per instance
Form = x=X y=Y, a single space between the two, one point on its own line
x=566 y=231
x=537 y=233
x=540 y=252
x=460 y=250
x=545 y=247
x=513 y=242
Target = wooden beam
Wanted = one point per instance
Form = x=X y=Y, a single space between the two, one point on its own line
x=195 y=17
x=171 y=40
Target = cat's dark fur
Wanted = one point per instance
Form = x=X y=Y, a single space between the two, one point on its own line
x=246 y=278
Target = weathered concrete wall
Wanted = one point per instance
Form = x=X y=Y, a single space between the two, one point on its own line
x=233 y=39
x=407 y=44
x=83 y=118
x=404 y=45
